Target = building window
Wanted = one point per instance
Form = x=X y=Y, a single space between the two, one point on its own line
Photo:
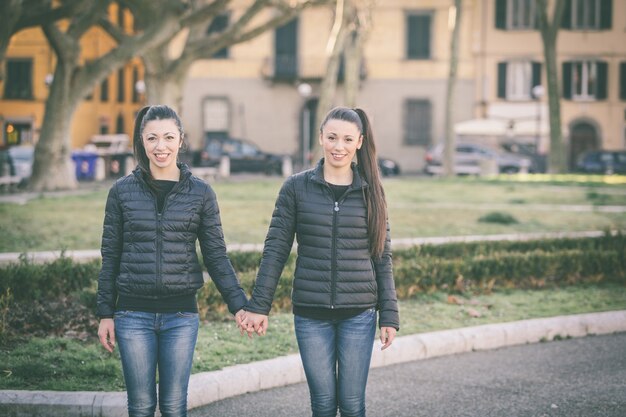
x=121 y=82
x=19 y=82
x=215 y=117
x=286 y=47
x=219 y=25
x=418 y=122
x=622 y=81
x=587 y=14
x=104 y=90
x=119 y=123
x=516 y=79
x=419 y=35
x=516 y=14
x=585 y=80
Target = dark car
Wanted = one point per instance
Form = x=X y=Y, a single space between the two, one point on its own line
x=244 y=156
x=388 y=167
x=602 y=162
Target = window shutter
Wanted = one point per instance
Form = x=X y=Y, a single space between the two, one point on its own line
x=566 y=21
x=219 y=25
x=605 y=14
x=501 y=14
x=502 y=79
x=418 y=36
x=424 y=36
x=536 y=77
x=567 y=80
x=622 y=81
x=602 y=80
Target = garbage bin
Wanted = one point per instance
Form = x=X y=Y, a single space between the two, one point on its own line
x=85 y=163
x=119 y=164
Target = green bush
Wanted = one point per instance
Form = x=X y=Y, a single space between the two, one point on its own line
x=498 y=217
x=56 y=292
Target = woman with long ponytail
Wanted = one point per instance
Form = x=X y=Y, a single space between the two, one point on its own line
x=343 y=276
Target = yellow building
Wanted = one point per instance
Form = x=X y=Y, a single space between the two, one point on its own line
x=29 y=67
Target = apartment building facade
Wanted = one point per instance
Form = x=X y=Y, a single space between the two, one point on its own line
x=510 y=89
x=266 y=90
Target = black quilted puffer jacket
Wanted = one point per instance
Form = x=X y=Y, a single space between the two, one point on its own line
x=152 y=255
x=334 y=268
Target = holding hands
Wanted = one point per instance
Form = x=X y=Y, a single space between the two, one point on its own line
x=251 y=323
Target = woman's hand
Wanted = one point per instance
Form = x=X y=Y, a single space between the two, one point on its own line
x=254 y=323
x=387 y=334
x=106 y=333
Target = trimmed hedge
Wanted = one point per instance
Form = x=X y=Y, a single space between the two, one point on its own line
x=454 y=267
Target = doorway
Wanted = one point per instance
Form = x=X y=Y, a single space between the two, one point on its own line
x=583 y=137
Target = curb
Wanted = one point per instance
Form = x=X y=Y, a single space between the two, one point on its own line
x=208 y=387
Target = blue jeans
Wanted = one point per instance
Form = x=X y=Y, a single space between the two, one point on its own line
x=151 y=341
x=336 y=355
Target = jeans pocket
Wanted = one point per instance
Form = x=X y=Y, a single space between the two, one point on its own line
x=120 y=314
x=187 y=314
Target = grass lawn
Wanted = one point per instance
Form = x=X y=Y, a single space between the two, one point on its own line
x=67 y=364
x=418 y=207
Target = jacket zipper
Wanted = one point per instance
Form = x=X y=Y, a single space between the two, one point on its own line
x=159 y=240
x=333 y=264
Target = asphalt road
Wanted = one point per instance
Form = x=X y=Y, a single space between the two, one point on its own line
x=583 y=377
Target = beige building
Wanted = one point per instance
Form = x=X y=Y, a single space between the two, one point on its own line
x=251 y=90
x=509 y=64
x=259 y=90
x=255 y=90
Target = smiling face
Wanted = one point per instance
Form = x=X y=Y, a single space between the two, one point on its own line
x=161 y=141
x=340 y=140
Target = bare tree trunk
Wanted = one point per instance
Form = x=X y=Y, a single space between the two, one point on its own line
x=164 y=85
x=557 y=159
x=53 y=168
x=343 y=16
x=352 y=67
x=353 y=55
x=450 y=139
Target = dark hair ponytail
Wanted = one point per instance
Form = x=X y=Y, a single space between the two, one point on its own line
x=375 y=195
x=146 y=114
x=368 y=168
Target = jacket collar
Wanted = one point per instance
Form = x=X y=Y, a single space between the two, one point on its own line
x=357 y=181
x=185 y=173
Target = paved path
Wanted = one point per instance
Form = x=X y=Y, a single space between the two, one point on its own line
x=583 y=377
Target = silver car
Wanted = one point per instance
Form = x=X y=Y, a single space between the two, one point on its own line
x=22 y=158
x=474 y=159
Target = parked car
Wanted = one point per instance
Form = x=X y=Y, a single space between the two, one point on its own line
x=388 y=167
x=244 y=156
x=602 y=162
x=22 y=158
x=471 y=157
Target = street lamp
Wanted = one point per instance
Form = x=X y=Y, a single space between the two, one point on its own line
x=305 y=90
x=537 y=95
